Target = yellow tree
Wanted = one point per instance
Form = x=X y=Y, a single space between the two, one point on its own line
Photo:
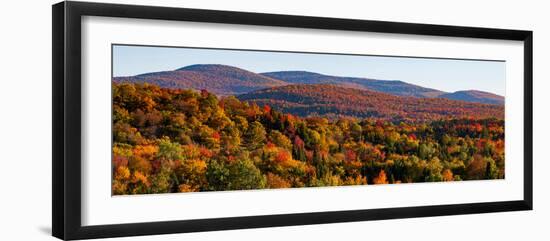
x=448 y=175
x=381 y=178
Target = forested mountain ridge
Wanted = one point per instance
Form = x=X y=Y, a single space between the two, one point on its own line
x=335 y=101
x=226 y=80
x=475 y=96
x=219 y=79
x=394 y=87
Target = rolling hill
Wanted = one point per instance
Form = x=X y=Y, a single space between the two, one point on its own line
x=226 y=80
x=334 y=101
x=475 y=96
x=394 y=87
x=218 y=79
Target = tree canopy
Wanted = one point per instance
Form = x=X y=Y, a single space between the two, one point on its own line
x=173 y=140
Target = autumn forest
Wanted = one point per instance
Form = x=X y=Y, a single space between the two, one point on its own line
x=211 y=128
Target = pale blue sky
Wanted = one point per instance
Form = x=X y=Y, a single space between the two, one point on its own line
x=443 y=74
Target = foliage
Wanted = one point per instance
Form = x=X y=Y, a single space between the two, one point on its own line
x=334 y=101
x=174 y=140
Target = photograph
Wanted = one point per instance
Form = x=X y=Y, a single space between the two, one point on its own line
x=275 y=120
x=202 y=119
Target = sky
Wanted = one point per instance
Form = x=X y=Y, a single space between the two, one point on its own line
x=448 y=75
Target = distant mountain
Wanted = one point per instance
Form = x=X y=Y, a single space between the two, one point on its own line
x=330 y=100
x=394 y=87
x=218 y=79
x=227 y=80
x=475 y=96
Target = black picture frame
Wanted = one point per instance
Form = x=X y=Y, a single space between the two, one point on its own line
x=66 y=141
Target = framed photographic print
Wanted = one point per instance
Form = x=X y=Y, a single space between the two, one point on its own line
x=170 y=120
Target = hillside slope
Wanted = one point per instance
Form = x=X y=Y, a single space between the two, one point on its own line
x=475 y=96
x=226 y=80
x=394 y=87
x=335 y=101
x=218 y=79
